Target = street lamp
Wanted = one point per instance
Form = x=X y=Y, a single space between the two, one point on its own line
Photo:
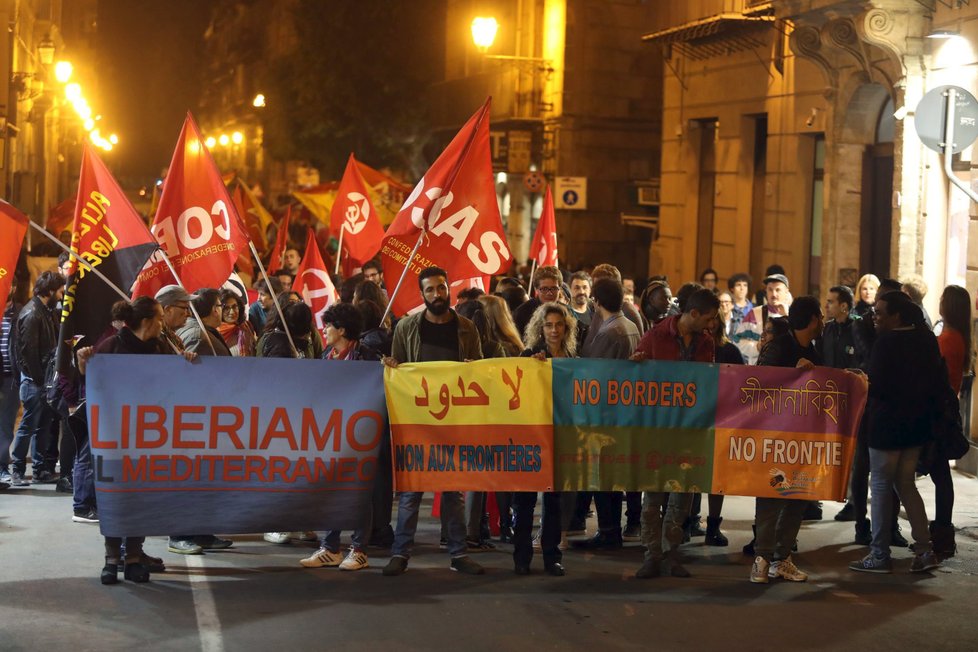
x=237 y=138
x=259 y=101
x=73 y=92
x=210 y=142
x=63 y=70
x=224 y=140
x=484 y=34
x=484 y=30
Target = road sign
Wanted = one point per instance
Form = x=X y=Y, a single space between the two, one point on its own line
x=931 y=112
x=534 y=182
x=570 y=193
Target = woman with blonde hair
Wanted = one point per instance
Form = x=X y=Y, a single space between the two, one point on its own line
x=865 y=293
x=499 y=325
x=550 y=333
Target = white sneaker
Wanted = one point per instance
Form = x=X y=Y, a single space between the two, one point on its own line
x=321 y=558
x=786 y=569
x=304 y=536
x=759 y=571
x=355 y=560
x=276 y=537
x=537 y=545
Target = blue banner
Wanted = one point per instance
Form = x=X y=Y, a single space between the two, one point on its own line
x=232 y=445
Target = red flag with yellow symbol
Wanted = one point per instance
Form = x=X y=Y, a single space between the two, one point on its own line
x=196 y=223
x=353 y=221
x=454 y=211
x=543 y=249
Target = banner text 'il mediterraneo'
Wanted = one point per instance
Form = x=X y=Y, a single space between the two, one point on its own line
x=196 y=222
x=213 y=447
x=454 y=206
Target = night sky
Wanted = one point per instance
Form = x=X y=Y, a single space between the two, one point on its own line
x=149 y=77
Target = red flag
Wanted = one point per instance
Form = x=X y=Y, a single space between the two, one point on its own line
x=110 y=235
x=281 y=243
x=543 y=249
x=243 y=205
x=361 y=229
x=312 y=281
x=61 y=216
x=196 y=223
x=454 y=205
x=13 y=226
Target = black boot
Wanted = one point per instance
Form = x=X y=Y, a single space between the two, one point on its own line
x=110 y=573
x=942 y=540
x=136 y=572
x=864 y=532
x=714 y=537
x=749 y=548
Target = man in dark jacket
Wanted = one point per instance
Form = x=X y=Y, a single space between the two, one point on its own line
x=846 y=338
x=37 y=339
x=682 y=338
x=546 y=287
x=778 y=520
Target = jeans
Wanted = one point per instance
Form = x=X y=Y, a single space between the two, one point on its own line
x=889 y=469
x=504 y=501
x=35 y=428
x=382 y=498
x=83 y=475
x=582 y=505
x=550 y=527
x=452 y=518
x=608 y=506
x=656 y=527
x=777 y=521
x=475 y=507
x=113 y=549
x=66 y=451
x=9 y=404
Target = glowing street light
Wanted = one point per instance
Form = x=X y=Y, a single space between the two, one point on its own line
x=224 y=140
x=73 y=92
x=484 y=32
x=113 y=139
x=89 y=124
x=63 y=70
x=237 y=138
x=210 y=142
x=259 y=101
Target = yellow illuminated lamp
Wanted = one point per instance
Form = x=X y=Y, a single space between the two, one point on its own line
x=73 y=92
x=210 y=142
x=237 y=138
x=193 y=146
x=224 y=140
x=484 y=32
x=63 y=70
x=89 y=124
x=114 y=139
x=259 y=101
x=107 y=146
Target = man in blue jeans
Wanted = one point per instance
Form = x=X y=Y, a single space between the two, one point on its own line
x=37 y=338
x=435 y=333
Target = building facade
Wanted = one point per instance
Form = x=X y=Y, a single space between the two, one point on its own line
x=789 y=138
x=575 y=103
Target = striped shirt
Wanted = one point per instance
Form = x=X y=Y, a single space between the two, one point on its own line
x=8 y=363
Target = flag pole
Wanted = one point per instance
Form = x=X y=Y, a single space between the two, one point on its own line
x=533 y=269
x=339 y=251
x=278 y=306
x=190 y=304
x=81 y=260
x=400 y=281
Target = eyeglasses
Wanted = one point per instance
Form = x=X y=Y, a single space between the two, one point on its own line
x=232 y=307
x=548 y=290
x=184 y=307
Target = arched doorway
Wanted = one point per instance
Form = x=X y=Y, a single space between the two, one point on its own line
x=876 y=221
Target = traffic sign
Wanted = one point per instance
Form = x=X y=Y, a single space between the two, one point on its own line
x=931 y=113
x=534 y=182
x=570 y=193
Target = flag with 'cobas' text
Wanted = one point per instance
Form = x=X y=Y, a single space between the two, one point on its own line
x=453 y=209
x=109 y=235
x=196 y=224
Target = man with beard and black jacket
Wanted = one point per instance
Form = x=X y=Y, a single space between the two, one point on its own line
x=37 y=339
x=435 y=333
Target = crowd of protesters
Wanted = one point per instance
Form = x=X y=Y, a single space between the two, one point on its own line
x=878 y=330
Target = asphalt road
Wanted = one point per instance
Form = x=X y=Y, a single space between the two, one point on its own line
x=255 y=596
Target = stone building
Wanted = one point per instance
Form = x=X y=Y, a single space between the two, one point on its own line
x=574 y=94
x=788 y=137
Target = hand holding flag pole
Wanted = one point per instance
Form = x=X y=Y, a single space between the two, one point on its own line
x=278 y=306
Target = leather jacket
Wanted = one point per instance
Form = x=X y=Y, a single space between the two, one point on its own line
x=37 y=339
